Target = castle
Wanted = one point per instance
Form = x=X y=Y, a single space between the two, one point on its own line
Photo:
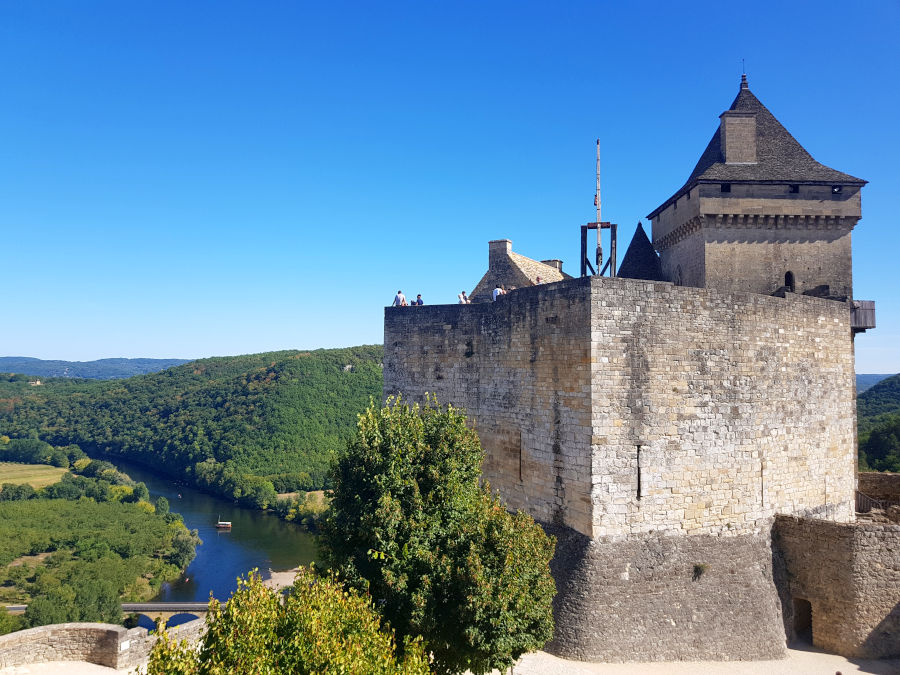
x=687 y=428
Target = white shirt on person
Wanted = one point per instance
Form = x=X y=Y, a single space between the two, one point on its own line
x=399 y=300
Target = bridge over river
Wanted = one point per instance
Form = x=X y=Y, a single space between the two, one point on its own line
x=152 y=610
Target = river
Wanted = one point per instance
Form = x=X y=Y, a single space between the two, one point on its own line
x=256 y=539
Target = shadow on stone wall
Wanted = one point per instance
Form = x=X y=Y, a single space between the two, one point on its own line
x=665 y=598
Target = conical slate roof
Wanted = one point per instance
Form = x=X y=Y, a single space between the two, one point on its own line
x=641 y=261
x=780 y=158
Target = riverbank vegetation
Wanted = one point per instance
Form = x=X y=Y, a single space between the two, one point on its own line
x=73 y=550
x=243 y=427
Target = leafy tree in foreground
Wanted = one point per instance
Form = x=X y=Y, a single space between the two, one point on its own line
x=320 y=628
x=410 y=523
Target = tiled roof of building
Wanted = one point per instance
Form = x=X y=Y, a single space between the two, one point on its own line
x=780 y=158
x=641 y=261
x=533 y=269
x=512 y=270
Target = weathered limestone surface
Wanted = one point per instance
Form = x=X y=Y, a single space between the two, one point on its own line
x=656 y=429
x=665 y=598
x=748 y=238
x=850 y=574
x=617 y=407
x=101 y=643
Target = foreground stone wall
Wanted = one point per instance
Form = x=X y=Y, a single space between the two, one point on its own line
x=101 y=643
x=850 y=575
x=665 y=598
x=880 y=485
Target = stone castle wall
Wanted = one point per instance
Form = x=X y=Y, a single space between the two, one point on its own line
x=712 y=412
x=656 y=430
x=521 y=366
x=850 y=575
x=617 y=407
x=665 y=598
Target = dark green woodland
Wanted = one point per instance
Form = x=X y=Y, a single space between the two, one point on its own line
x=878 y=419
x=243 y=427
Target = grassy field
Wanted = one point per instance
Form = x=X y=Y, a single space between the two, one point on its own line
x=38 y=475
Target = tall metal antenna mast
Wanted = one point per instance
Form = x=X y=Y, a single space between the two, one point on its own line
x=597 y=204
x=599 y=226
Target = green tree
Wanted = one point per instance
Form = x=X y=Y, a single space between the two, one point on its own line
x=162 y=506
x=12 y=492
x=319 y=628
x=410 y=523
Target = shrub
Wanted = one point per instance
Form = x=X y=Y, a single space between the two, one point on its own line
x=319 y=628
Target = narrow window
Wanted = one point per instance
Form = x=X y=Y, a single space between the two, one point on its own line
x=638 y=472
x=794 y=189
x=789 y=281
x=726 y=187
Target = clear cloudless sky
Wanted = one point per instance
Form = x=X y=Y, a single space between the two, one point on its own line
x=189 y=179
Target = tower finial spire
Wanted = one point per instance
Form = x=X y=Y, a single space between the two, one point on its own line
x=744 y=84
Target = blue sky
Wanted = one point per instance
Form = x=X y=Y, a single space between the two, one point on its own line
x=211 y=178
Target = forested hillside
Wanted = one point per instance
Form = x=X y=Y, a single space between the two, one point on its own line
x=102 y=369
x=878 y=415
x=237 y=426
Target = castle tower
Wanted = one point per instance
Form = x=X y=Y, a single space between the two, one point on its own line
x=758 y=213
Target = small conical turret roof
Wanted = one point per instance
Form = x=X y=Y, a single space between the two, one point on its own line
x=641 y=261
x=780 y=158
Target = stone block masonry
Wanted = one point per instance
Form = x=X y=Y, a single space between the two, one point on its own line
x=101 y=643
x=617 y=407
x=657 y=430
x=850 y=576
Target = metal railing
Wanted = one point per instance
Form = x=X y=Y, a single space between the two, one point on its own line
x=865 y=503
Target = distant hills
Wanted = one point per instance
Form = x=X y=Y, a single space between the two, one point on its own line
x=102 y=369
x=878 y=421
x=237 y=426
x=866 y=381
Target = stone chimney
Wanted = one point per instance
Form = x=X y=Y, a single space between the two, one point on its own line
x=737 y=133
x=555 y=264
x=498 y=250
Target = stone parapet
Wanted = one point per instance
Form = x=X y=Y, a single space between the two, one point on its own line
x=100 y=643
x=880 y=485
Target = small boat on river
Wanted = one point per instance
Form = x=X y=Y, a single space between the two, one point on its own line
x=223 y=524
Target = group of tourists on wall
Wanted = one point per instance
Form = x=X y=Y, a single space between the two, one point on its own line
x=400 y=300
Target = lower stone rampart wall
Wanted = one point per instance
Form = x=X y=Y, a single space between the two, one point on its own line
x=850 y=575
x=665 y=598
x=880 y=485
x=101 y=643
